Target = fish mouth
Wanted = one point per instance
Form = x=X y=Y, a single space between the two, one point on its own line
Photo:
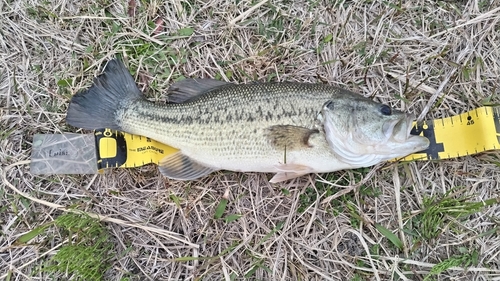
x=403 y=128
x=400 y=131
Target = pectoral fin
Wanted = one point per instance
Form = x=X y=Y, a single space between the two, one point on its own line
x=290 y=137
x=290 y=171
x=180 y=167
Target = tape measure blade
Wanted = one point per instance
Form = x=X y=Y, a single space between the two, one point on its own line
x=468 y=133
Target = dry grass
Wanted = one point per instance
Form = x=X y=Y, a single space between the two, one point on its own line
x=438 y=58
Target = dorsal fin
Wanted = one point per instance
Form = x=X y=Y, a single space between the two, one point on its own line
x=187 y=89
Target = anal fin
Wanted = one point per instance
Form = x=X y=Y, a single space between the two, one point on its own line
x=180 y=167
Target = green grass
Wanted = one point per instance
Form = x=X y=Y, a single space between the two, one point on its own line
x=467 y=257
x=88 y=252
x=441 y=212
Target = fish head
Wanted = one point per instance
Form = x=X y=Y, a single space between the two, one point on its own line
x=362 y=132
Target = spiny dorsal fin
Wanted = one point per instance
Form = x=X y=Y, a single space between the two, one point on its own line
x=187 y=89
x=290 y=137
x=180 y=167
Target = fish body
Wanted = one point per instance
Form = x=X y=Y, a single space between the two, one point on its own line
x=229 y=128
x=281 y=128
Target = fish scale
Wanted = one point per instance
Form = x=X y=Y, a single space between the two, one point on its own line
x=222 y=118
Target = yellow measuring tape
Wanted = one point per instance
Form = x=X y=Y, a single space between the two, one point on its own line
x=472 y=132
x=468 y=133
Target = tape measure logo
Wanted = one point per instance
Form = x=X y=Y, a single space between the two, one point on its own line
x=111 y=148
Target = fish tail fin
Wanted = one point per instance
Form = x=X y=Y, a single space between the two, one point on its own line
x=97 y=106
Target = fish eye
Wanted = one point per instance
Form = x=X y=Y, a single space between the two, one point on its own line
x=329 y=105
x=385 y=110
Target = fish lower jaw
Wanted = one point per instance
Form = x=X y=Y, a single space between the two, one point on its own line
x=366 y=156
x=415 y=144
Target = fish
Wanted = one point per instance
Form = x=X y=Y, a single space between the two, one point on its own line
x=286 y=128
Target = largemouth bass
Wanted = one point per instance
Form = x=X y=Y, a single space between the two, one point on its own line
x=290 y=129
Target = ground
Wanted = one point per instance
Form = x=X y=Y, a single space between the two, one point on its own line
x=416 y=220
